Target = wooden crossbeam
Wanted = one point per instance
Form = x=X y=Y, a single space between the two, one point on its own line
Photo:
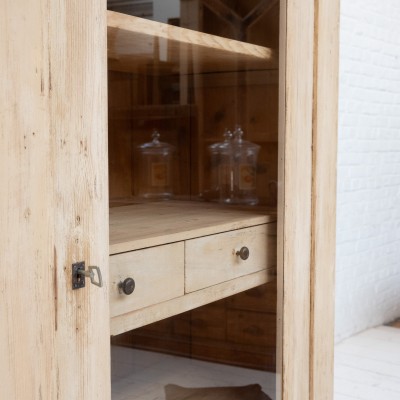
x=240 y=24
x=259 y=10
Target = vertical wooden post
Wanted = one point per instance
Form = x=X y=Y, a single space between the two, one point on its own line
x=54 y=342
x=325 y=114
x=308 y=125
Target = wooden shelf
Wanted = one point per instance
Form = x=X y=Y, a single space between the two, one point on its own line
x=152 y=224
x=136 y=42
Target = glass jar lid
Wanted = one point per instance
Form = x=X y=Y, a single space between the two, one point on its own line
x=222 y=147
x=241 y=145
x=156 y=147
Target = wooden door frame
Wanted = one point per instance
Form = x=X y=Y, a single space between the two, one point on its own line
x=309 y=57
x=54 y=341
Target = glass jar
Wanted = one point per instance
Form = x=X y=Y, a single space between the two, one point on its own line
x=221 y=169
x=226 y=179
x=155 y=165
x=245 y=156
x=234 y=169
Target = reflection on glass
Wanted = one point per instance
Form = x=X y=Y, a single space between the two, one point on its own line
x=166 y=11
x=211 y=90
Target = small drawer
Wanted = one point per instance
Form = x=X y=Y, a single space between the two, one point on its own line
x=158 y=273
x=213 y=259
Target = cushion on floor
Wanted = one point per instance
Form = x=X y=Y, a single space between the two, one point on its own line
x=249 y=392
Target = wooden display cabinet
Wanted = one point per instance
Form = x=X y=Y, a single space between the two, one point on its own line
x=205 y=83
x=217 y=79
x=55 y=185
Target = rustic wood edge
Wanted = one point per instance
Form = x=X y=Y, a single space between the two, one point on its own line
x=142 y=26
x=323 y=238
x=295 y=191
x=157 y=312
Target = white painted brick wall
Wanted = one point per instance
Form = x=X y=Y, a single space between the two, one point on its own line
x=368 y=202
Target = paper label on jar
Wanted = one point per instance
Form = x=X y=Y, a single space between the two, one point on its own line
x=159 y=174
x=225 y=175
x=247 y=177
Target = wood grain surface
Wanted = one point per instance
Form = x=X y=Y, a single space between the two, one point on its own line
x=212 y=259
x=54 y=342
x=325 y=116
x=151 y=224
x=158 y=273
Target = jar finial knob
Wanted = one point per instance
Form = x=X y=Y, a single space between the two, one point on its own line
x=156 y=136
x=227 y=135
x=238 y=133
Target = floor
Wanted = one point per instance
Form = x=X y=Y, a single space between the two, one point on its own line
x=142 y=375
x=367 y=367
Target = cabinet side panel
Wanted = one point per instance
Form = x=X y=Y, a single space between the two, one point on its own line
x=54 y=342
x=295 y=177
x=324 y=197
x=78 y=93
x=27 y=269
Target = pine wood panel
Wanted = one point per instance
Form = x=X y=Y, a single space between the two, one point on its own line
x=54 y=341
x=24 y=137
x=158 y=274
x=151 y=224
x=324 y=198
x=294 y=198
x=78 y=91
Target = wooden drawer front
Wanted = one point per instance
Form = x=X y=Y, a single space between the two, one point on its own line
x=158 y=273
x=212 y=259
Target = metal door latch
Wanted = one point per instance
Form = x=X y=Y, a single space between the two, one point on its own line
x=79 y=274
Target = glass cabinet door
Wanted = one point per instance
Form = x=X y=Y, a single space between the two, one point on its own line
x=193 y=174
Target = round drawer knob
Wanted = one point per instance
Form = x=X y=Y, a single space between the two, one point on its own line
x=127 y=286
x=243 y=253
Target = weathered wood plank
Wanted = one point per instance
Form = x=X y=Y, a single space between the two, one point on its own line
x=53 y=199
x=294 y=197
x=325 y=116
